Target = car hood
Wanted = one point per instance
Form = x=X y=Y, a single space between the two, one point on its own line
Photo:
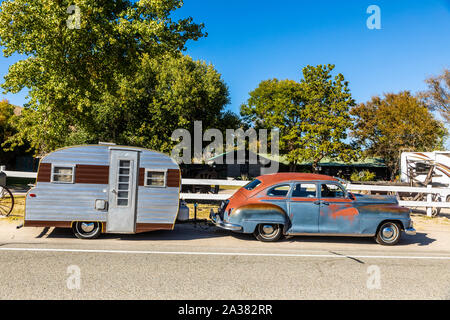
x=375 y=199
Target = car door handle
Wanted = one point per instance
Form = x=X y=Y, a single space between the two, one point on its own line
x=316 y=202
x=325 y=203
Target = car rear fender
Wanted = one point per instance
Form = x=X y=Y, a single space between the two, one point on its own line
x=250 y=215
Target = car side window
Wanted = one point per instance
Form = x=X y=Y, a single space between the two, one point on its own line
x=304 y=190
x=281 y=190
x=331 y=190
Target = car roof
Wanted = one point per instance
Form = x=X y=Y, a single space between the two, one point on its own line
x=290 y=176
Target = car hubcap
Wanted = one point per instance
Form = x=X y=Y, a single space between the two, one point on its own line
x=268 y=229
x=389 y=233
x=87 y=227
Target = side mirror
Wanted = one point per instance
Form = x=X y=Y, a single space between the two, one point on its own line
x=351 y=196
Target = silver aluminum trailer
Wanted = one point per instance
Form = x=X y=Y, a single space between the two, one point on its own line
x=104 y=188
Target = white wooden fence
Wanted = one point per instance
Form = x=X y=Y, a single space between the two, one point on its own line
x=428 y=204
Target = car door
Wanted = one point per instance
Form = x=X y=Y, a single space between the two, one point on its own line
x=337 y=213
x=304 y=208
x=278 y=195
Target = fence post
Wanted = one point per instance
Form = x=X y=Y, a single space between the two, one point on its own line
x=429 y=199
x=195 y=212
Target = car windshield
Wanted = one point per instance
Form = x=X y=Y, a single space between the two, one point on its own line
x=252 y=185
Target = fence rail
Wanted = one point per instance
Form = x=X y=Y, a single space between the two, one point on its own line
x=238 y=183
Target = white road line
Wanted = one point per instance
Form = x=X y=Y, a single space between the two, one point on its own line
x=299 y=255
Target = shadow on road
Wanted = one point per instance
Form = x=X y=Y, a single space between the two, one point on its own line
x=420 y=239
x=202 y=231
x=181 y=232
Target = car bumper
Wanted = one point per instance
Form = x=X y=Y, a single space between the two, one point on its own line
x=215 y=218
x=410 y=231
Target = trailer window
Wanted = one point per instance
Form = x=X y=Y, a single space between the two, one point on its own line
x=62 y=174
x=155 y=178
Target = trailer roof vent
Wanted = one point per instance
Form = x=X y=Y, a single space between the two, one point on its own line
x=107 y=143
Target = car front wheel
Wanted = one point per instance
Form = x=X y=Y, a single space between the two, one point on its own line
x=388 y=234
x=268 y=232
x=87 y=230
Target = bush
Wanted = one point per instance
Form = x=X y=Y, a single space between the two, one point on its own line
x=364 y=175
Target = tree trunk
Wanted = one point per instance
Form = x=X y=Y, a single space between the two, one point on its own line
x=315 y=167
x=292 y=167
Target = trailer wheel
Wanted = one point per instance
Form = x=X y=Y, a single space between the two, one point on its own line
x=86 y=230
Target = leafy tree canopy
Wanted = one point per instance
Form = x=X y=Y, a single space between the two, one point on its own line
x=437 y=97
x=312 y=115
x=387 y=126
x=71 y=72
x=8 y=122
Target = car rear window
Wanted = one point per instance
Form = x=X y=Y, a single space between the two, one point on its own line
x=252 y=185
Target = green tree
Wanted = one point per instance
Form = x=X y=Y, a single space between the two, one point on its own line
x=387 y=126
x=167 y=93
x=312 y=115
x=277 y=104
x=8 y=122
x=68 y=71
x=6 y=113
x=326 y=117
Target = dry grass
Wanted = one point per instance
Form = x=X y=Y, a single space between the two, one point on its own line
x=422 y=221
x=203 y=210
x=18 y=210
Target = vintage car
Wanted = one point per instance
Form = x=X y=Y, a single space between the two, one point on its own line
x=311 y=204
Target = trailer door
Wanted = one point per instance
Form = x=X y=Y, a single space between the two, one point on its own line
x=123 y=175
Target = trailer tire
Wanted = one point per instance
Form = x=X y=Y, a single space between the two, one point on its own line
x=86 y=229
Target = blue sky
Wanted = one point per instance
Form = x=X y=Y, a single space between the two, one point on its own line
x=250 y=41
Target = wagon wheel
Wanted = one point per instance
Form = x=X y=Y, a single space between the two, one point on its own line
x=435 y=210
x=206 y=189
x=6 y=201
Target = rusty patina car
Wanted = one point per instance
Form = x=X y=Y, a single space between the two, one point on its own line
x=311 y=204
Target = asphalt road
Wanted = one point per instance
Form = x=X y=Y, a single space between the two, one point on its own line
x=206 y=263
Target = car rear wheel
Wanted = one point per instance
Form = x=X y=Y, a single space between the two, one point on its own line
x=268 y=232
x=86 y=230
x=388 y=234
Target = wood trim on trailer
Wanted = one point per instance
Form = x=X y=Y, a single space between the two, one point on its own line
x=144 y=227
x=58 y=224
x=140 y=227
x=91 y=174
x=96 y=174
x=44 y=172
x=173 y=178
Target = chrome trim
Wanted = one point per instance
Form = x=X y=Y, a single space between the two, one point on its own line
x=410 y=231
x=332 y=234
x=215 y=218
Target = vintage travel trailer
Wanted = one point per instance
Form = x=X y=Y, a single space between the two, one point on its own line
x=105 y=188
